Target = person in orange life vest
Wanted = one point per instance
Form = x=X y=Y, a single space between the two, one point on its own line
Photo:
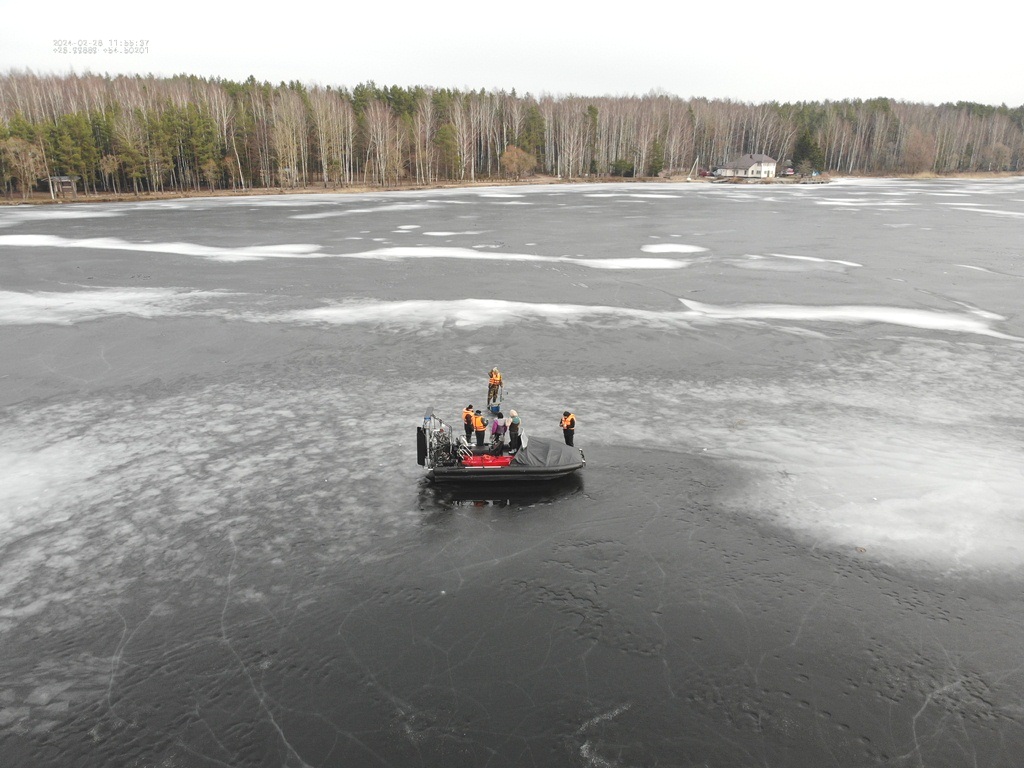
x=493 y=384
x=568 y=427
x=467 y=421
x=480 y=427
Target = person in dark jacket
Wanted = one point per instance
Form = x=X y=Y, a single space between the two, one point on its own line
x=467 y=421
x=568 y=426
x=515 y=437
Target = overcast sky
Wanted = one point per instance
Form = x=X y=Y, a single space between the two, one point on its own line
x=745 y=51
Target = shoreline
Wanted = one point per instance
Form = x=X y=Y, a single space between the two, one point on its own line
x=43 y=198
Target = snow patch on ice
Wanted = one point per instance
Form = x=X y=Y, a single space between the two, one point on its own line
x=815 y=258
x=909 y=455
x=671 y=248
x=217 y=253
x=70 y=307
x=312 y=251
x=420 y=206
x=845 y=203
x=421 y=252
x=44 y=476
x=634 y=195
x=156 y=481
x=629 y=263
x=478 y=313
x=974 y=322
x=14 y=215
x=470 y=313
x=994 y=212
x=980 y=269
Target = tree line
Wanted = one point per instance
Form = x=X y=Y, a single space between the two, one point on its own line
x=185 y=133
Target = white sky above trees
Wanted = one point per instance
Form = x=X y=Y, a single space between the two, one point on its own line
x=791 y=50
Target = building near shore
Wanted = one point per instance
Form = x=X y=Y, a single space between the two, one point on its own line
x=62 y=186
x=748 y=166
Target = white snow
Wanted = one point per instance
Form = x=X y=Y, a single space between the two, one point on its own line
x=971 y=322
x=216 y=253
x=70 y=307
x=815 y=258
x=312 y=251
x=671 y=248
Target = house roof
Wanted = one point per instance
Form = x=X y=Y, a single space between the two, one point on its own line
x=745 y=161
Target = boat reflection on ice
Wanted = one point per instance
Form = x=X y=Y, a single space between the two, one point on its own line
x=442 y=497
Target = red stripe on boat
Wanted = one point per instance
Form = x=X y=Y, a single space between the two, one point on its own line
x=486 y=461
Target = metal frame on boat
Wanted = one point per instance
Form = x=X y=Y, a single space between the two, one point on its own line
x=449 y=458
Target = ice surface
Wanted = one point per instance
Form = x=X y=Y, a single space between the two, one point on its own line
x=308 y=251
x=882 y=454
x=815 y=258
x=993 y=211
x=388 y=208
x=972 y=322
x=671 y=248
x=37 y=213
x=799 y=532
x=480 y=313
x=634 y=195
x=248 y=253
x=70 y=307
x=397 y=253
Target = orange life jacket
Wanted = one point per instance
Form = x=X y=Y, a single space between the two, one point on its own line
x=495 y=380
x=569 y=422
x=467 y=414
x=478 y=423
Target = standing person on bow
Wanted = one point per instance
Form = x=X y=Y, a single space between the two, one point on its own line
x=467 y=421
x=480 y=427
x=568 y=426
x=493 y=386
x=498 y=428
x=515 y=427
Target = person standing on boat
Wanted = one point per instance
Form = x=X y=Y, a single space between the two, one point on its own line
x=467 y=421
x=498 y=428
x=480 y=427
x=493 y=385
x=568 y=426
x=515 y=427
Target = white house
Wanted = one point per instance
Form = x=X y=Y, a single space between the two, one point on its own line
x=748 y=167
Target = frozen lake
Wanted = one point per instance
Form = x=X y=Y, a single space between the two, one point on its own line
x=799 y=539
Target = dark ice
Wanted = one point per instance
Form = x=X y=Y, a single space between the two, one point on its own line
x=797 y=541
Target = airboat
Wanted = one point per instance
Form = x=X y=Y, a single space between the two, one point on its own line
x=449 y=458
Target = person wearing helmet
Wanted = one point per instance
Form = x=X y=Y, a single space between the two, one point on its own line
x=467 y=421
x=568 y=426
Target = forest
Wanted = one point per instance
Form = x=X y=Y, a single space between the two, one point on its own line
x=147 y=134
